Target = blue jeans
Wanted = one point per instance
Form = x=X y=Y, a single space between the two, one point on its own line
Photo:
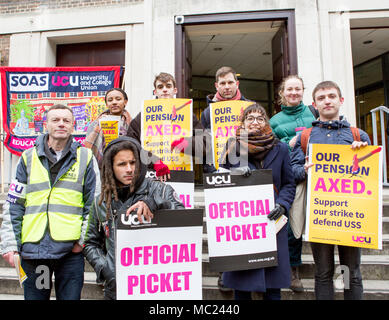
x=269 y=294
x=323 y=254
x=295 y=248
x=68 y=272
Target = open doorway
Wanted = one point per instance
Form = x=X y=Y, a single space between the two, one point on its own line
x=259 y=46
x=370 y=50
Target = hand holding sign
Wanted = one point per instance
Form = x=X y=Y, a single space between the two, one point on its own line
x=141 y=209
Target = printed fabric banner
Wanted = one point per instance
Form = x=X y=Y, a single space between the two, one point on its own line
x=27 y=93
x=225 y=117
x=344 y=193
x=240 y=236
x=183 y=184
x=160 y=260
x=163 y=122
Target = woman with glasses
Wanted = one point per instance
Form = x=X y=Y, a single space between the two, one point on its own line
x=255 y=140
x=291 y=120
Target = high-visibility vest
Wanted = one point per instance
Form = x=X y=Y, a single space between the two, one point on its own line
x=60 y=207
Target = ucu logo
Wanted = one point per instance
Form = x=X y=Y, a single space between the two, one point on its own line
x=361 y=239
x=218 y=180
x=132 y=219
x=65 y=81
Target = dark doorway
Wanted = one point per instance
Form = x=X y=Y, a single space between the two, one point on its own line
x=260 y=46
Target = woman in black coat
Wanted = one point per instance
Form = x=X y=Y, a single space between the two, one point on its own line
x=255 y=140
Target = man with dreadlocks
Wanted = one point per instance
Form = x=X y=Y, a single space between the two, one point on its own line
x=123 y=185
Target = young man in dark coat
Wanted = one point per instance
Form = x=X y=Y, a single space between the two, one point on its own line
x=330 y=128
x=123 y=187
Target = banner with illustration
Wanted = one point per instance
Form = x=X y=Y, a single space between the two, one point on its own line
x=240 y=236
x=27 y=93
x=163 y=122
x=225 y=117
x=344 y=193
x=160 y=259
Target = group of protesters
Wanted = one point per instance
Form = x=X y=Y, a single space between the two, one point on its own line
x=69 y=195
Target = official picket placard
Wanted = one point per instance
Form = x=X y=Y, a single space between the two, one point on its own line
x=225 y=119
x=27 y=93
x=183 y=184
x=240 y=236
x=344 y=193
x=165 y=121
x=160 y=260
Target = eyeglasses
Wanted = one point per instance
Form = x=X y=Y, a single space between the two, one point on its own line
x=251 y=119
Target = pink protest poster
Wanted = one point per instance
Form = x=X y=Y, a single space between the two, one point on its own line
x=240 y=236
x=161 y=259
x=183 y=183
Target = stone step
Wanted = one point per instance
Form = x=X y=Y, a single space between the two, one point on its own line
x=372 y=267
x=9 y=285
x=373 y=290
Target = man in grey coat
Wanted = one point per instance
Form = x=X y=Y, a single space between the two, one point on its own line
x=47 y=208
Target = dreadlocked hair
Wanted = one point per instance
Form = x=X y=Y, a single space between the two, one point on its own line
x=108 y=180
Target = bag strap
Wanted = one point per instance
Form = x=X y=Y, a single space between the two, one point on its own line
x=314 y=111
x=356 y=135
x=304 y=139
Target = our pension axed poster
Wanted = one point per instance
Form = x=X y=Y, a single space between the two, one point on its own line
x=160 y=260
x=110 y=126
x=165 y=121
x=344 y=195
x=182 y=183
x=28 y=92
x=240 y=236
x=225 y=117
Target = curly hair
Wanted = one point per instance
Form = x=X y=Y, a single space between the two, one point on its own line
x=108 y=179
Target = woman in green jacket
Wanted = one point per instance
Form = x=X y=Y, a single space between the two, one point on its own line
x=293 y=117
x=294 y=114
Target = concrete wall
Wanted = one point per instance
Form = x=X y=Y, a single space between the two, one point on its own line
x=322 y=35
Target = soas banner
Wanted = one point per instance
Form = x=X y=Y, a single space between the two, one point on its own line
x=27 y=93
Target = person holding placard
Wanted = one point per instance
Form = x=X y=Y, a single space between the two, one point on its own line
x=330 y=128
x=116 y=100
x=165 y=88
x=256 y=145
x=294 y=115
x=123 y=186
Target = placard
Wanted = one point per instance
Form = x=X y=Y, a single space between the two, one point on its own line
x=165 y=121
x=160 y=260
x=183 y=184
x=225 y=119
x=344 y=193
x=240 y=236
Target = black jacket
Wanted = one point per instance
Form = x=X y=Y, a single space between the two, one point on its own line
x=101 y=232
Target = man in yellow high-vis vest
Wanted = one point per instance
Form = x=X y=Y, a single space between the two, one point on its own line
x=47 y=207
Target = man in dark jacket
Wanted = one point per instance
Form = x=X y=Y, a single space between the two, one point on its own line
x=330 y=128
x=124 y=187
x=227 y=88
x=47 y=208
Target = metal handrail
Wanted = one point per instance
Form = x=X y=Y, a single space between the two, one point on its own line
x=382 y=110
